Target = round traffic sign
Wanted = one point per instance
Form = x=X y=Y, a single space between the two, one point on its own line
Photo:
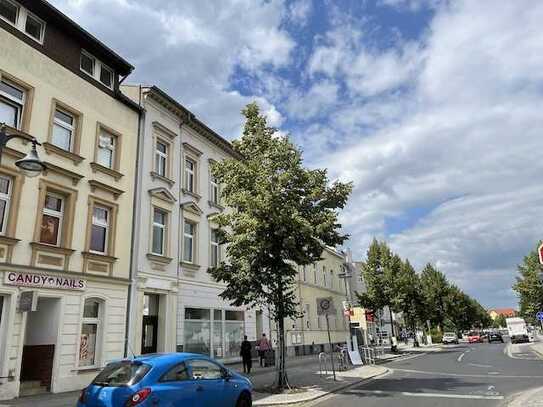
x=539 y=316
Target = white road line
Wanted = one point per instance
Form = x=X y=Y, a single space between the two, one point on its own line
x=477 y=365
x=460 y=357
x=401 y=359
x=466 y=375
x=435 y=395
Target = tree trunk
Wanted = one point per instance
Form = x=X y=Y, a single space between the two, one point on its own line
x=281 y=380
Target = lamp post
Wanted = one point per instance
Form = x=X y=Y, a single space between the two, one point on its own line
x=30 y=165
x=344 y=276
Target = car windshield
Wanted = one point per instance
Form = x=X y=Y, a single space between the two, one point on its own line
x=474 y=334
x=125 y=373
x=449 y=334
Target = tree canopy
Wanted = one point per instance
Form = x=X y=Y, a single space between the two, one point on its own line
x=529 y=286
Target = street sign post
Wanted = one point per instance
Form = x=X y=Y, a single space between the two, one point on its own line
x=539 y=316
x=325 y=306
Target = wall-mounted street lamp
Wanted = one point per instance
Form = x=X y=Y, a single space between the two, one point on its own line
x=30 y=165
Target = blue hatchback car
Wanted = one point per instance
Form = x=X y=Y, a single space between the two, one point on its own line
x=169 y=379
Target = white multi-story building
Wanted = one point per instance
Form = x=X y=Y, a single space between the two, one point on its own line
x=175 y=304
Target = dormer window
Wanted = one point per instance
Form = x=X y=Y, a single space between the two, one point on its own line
x=93 y=67
x=22 y=19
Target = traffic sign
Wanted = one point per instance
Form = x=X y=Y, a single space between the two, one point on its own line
x=539 y=316
x=540 y=251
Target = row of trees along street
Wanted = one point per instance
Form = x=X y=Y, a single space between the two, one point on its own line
x=529 y=286
x=420 y=297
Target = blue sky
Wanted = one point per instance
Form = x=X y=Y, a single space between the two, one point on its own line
x=431 y=107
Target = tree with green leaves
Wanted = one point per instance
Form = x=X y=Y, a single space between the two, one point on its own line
x=499 y=322
x=529 y=286
x=435 y=288
x=280 y=214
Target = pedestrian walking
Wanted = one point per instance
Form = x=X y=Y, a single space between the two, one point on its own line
x=264 y=346
x=245 y=354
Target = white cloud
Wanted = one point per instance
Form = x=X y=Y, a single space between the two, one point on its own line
x=305 y=105
x=466 y=139
x=300 y=11
x=191 y=48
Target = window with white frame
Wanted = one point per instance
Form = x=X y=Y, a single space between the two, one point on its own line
x=22 y=19
x=307 y=314
x=189 y=231
x=97 y=69
x=190 y=175
x=5 y=198
x=90 y=332
x=63 y=129
x=159 y=232
x=315 y=278
x=12 y=99
x=161 y=158
x=52 y=216
x=105 y=155
x=215 y=249
x=100 y=229
x=214 y=186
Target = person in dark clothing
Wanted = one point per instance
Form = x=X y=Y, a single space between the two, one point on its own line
x=245 y=354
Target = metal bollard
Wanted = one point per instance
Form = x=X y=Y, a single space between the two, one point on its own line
x=323 y=366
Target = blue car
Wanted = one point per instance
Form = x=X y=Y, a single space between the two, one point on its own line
x=169 y=379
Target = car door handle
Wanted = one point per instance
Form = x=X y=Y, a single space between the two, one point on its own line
x=200 y=388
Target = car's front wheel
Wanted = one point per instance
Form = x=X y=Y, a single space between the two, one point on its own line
x=244 y=400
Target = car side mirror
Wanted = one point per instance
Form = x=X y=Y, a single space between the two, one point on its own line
x=226 y=375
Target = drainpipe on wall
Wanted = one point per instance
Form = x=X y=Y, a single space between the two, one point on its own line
x=136 y=210
x=179 y=235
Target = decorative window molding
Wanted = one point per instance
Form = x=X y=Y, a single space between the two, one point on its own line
x=110 y=225
x=190 y=242
x=116 y=192
x=192 y=207
x=11 y=97
x=59 y=120
x=163 y=194
x=164 y=130
x=107 y=151
x=160 y=232
x=73 y=176
x=10 y=212
x=192 y=150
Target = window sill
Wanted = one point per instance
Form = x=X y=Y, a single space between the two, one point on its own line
x=159 y=258
x=156 y=175
x=99 y=256
x=52 y=149
x=50 y=248
x=108 y=171
x=9 y=241
x=215 y=205
x=193 y=194
x=190 y=266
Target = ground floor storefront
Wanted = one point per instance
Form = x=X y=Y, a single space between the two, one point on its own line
x=206 y=324
x=57 y=329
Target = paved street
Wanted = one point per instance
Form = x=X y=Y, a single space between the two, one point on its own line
x=461 y=375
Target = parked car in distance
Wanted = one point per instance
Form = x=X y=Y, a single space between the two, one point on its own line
x=168 y=379
x=474 y=337
x=495 y=337
x=449 y=337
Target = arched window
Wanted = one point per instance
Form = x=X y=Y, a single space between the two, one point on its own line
x=91 y=326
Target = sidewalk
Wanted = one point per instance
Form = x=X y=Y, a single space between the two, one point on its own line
x=531 y=398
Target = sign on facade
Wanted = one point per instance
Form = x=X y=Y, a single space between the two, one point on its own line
x=28 y=301
x=43 y=281
x=325 y=306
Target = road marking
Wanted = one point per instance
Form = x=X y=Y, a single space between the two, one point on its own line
x=477 y=365
x=460 y=357
x=431 y=395
x=401 y=359
x=467 y=375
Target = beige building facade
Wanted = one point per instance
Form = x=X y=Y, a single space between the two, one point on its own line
x=65 y=236
x=309 y=334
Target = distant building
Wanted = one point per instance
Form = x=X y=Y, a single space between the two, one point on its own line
x=506 y=312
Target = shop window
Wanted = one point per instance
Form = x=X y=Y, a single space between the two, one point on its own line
x=12 y=100
x=90 y=332
x=189 y=232
x=159 y=232
x=197 y=331
x=5 y=198
x=52 y=217
x=215 y=248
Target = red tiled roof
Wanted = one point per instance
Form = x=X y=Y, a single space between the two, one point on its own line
x=508 y=312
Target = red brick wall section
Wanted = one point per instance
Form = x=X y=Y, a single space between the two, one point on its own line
x=37 y=364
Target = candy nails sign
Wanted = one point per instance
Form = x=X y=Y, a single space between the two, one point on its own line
x=43 y=281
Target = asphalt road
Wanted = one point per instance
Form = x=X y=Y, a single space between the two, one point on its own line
x=458 y=376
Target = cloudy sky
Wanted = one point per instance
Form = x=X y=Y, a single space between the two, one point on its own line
x=433 y=108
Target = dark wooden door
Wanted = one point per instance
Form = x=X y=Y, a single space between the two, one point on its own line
x=149 y=334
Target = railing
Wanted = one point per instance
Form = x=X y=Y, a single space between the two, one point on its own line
x=323 y=364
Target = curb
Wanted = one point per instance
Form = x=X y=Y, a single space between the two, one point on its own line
x=262 y=403
x=525 y=399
